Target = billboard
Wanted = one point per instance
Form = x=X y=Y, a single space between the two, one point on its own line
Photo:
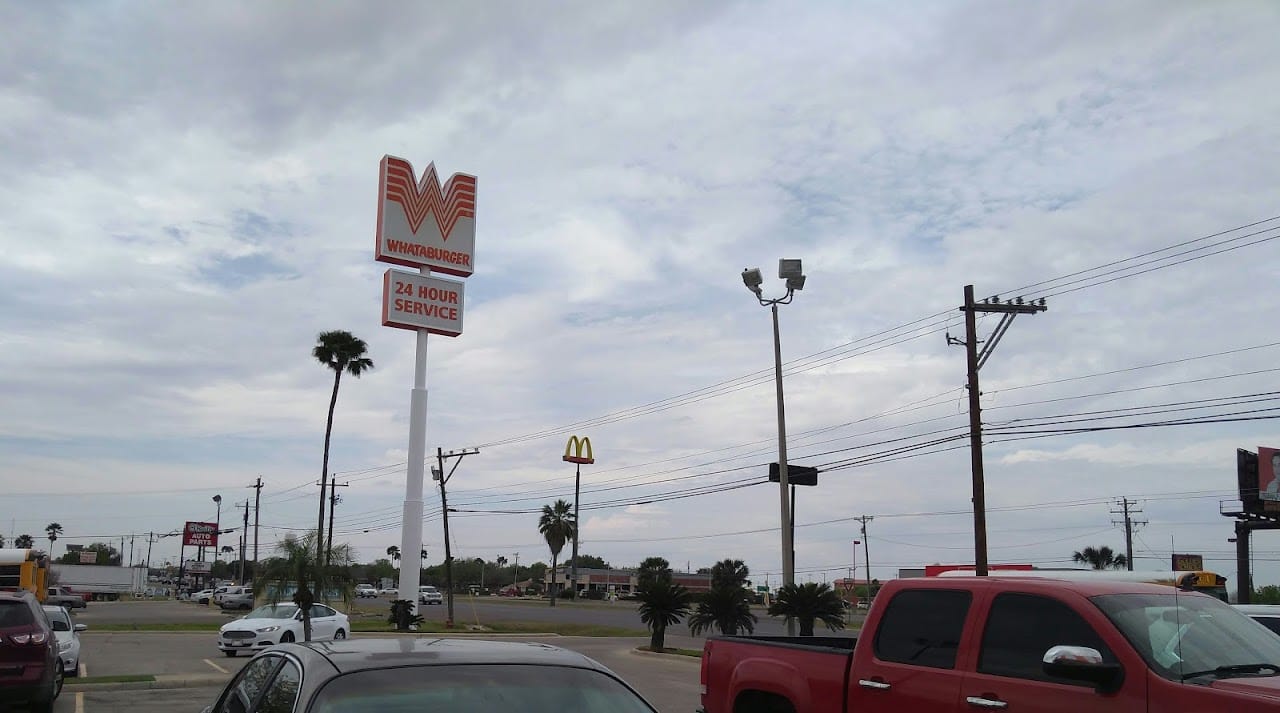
x=1268 y=474
x=200 y=534
x=796 y=474
x=198 y=567
x=88 y=557
x=414 y=301
x=1188 y=563
x=421 y=223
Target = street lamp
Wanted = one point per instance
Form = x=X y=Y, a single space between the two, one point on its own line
x=217 y=528
x=791 y=271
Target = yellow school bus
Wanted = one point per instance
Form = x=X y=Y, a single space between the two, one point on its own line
x=24 y=570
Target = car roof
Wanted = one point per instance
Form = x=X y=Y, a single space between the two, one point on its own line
x=1258 y=609
x=17 y=596
x=1044 y=584
x=391 y=651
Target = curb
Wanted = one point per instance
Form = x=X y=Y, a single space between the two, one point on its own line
x=162 y=681
x=681 y=657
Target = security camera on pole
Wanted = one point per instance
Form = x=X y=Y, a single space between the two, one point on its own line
x=429 y=227
x=791 y=271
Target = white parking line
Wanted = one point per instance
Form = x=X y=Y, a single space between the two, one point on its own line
x=79 y=701
x=216 y=667
x=83 y=671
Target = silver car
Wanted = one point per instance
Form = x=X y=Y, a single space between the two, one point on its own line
x=68 y=634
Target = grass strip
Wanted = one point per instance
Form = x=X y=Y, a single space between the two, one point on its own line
x=128 y=678
x=508 y=627
x=159 y=626
x=695 y=653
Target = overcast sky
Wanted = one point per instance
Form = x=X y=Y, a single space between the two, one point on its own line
x=190 y=196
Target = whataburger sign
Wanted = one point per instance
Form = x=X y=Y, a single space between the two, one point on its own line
x=425 y=225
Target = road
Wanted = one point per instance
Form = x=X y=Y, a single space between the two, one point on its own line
x=670 y=684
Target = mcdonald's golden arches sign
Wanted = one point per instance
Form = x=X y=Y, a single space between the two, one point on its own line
x=574 y=449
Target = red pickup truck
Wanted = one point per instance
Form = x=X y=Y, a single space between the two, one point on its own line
x=1036 y=645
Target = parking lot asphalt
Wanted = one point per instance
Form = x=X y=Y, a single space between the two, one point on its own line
x=670 y=684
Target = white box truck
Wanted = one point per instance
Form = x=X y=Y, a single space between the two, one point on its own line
x=103 y=582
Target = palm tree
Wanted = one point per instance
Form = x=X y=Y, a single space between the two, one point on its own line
x=729 y=573
x=53 y=529
x=653 y=570
x=557 y=526
x=394 y=553
x=298 y=568
x=1100 y=558
x=807 y=603
x=725 y=609
x=228 y=550
x=662 y=604
x=24 y=542
x=340 y=351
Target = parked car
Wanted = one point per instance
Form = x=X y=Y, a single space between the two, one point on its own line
x=30 y=669
x=280 y=623
x=67 y=632
x=220 y=592
x=390 y=591
x=202 y=597
x=1267 y=615
x=242 y=598
x=63 y=597
x=428 y=594
x=440 y=675
x=366 y=591
x=1021 y=644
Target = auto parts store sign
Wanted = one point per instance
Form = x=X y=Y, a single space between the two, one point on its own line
x=200 y=534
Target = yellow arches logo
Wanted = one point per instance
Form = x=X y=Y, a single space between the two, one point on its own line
x=575 y=447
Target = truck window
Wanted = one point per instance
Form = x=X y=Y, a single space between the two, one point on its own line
x=1022 y=627
x=922 y=627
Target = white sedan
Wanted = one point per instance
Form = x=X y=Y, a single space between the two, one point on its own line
x=280 y=623
x=67 y=633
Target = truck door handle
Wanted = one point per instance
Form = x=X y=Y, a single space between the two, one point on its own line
x=877 y=685
x=982 y=702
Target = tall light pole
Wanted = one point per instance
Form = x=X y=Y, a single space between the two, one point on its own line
x=791 y=271
x=217 y=528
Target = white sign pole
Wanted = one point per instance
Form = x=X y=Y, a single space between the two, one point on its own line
x=411 y=532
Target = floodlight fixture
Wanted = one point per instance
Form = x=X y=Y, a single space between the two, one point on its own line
x=752 y=278
x=789 y=268
x=795 y=283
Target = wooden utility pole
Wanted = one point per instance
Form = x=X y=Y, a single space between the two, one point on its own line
x=333 y=505
x=974 y=360
x=439 y=475
x=1128 y=508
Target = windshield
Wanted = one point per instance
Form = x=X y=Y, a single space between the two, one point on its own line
x=469 y=688
x=15 y=613
x=58 y=618
x=1188 y=633
x=273 y=611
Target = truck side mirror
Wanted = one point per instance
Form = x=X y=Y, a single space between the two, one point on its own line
x=1082 y=663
